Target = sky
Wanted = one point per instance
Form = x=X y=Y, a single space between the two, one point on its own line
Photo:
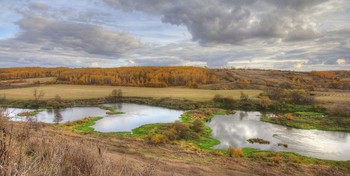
x=264 y=34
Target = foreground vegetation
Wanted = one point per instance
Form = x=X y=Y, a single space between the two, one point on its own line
x=30 y=149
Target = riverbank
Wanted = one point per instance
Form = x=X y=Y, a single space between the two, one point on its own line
x=179 y=104
x=204 y=143
x=311 y=122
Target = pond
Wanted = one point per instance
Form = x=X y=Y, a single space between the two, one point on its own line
x=234 y=130
x=134 y=116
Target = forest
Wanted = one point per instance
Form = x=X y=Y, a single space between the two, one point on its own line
x=185 y=76
x=122 y=76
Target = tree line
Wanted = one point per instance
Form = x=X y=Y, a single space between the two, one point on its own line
x=121 y=76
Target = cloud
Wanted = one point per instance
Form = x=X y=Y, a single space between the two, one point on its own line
x=276 y=34
x=38 y=6
x=341 y=61
x=236 y=21
x=80 y=37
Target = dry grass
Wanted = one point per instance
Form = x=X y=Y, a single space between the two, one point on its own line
x=26 y=149
x=19 y=82
x=332 y=97
x=89 y=91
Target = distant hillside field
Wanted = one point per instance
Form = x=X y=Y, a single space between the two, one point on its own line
x=191 y=77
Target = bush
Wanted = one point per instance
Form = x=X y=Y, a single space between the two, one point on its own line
x=54 y=104
x=231 y=151
x=157 y=139
x=277 y=159
x=301 y=97
x=275 y=94
x=115 y=96
x=182 y=130
x=238 y=152
x=227 y=101
x=197 y=126
x=234 y=152
x=265 y=102
x=289 y=116
x=171 y=134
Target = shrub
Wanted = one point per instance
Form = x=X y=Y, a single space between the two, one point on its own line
x=182 y=130
x=231 y=151
x=275 y=94
x=218 y=98
x=277 y=159
x=234 y=152
x=238 y=152
x=157 y=139
x=225 y=100
x=265 y=102
x=289 y=116
x=115 y=96
x=54 y=104
x=301 y=97
x=197 y=126
x=171 y=134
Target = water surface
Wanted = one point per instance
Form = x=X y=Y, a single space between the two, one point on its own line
x=135 y=116
x=236 y=129
x=58 y=115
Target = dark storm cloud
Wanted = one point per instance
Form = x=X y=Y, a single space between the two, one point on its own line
x=233 y=21
x=80 y=37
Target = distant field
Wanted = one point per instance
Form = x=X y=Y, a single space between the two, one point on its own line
x=89 y=91
x=331 y=97
x=19 y=82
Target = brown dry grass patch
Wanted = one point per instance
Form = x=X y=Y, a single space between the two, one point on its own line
x=90 y=91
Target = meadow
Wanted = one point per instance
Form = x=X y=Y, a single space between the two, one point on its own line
x=91 y=91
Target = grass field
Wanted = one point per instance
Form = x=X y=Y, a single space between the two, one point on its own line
x=19 y=82
x=332 y=97
x=89 y=91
